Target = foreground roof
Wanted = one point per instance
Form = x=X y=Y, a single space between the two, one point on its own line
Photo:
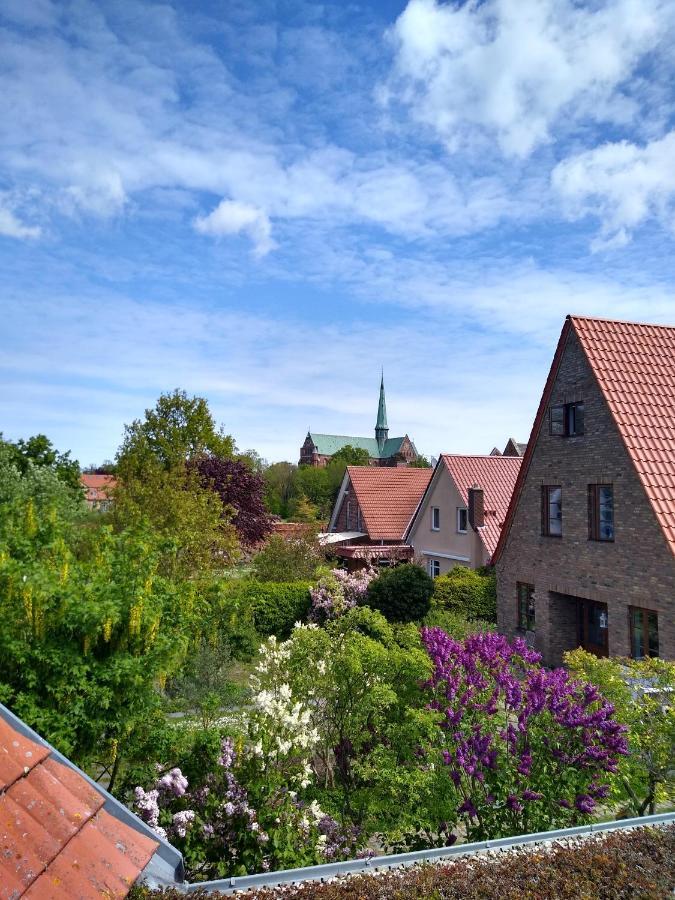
x=61 y=836
x=388 y=497
x=329 y=444
x=496 y=476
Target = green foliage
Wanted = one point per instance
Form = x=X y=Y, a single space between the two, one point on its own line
x=361 y=680
x=274 y=606
x=204 y=687
x=177 y=429
x=350 y=456
x=38 y=453
x=401 y=594
x=454 y=623
x=289 y=560
x=420 y=462
x=301 y=509
x=470 y=592
x=643 y=693
x=279 y=487
x=86 y=638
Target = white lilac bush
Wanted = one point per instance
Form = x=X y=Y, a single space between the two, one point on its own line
x=338 y=592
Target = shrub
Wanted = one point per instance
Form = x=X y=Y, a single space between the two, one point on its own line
x=455 y=623
x=288 y=560
x=401 y=594
x=471 y=592
x=338 y=591
x=274 y=606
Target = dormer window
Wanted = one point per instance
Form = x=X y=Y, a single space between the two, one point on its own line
x=567 y=420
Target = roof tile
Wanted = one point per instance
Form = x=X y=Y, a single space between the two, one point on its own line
x=17 y=753
x=388 y=497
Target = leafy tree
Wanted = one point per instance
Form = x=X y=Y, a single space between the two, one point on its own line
x=240 y=490
x=107 y=467
x=90 y=629
x=279 y=487
x=39 y=451
x=420 y=462
x=350 y=456
x=282 y=559
x=401 y=594
x=318 y=485
x=177 y=429
x=643 y=694
x=301 y=509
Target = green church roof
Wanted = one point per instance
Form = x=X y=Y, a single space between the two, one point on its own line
x=329 y=444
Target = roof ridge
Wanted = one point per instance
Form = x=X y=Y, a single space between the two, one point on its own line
x=575 y=317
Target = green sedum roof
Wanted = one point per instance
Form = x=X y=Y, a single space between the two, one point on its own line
x=329 y=444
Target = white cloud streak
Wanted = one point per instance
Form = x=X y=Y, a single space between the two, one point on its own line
x=232 y=217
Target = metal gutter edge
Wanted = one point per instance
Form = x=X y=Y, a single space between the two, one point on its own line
x=360 y=866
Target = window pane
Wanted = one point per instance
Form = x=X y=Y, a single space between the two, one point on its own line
x=653 y=636
x=435 y=517
x=462 y=520
x=557 y=420
x=606 y=512
x=555 y=510
x=638 y=645
x=574 y=418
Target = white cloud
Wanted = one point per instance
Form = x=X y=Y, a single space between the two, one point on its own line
x=11 y=226
x=622 y=184
x=511 y=69
x=232 y=217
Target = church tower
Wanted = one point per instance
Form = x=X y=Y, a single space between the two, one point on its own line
x=381 y=427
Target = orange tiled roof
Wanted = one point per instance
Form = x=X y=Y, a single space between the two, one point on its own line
x=97 y=485
x=634 y=365
x=388 y=497
x=496 y=476
x=56 y=840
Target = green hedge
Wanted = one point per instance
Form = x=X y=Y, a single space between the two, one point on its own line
x=471 y=592
x=274 y=606
x=401 y=594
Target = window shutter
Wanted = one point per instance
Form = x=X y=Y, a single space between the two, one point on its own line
x=557 y=420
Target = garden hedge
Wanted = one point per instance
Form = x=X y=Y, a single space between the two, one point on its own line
x=274 y=606
x=471 y=592
x=401 y=594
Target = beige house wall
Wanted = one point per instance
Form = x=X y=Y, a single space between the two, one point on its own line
x=450 y=547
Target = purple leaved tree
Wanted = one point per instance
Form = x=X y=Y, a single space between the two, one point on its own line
x=242 y=490
x=527 y=748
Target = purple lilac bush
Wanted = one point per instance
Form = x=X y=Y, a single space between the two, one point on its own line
x=527 y=748
x=338 y=592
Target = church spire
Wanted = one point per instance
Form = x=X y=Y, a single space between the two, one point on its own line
x=381 y=427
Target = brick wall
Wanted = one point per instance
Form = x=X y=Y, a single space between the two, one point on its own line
x=636 y=569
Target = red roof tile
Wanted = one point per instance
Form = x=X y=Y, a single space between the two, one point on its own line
x=98 y=486
x=496 y=476
x=634 y=365
x=388 y=497
x=56 y=840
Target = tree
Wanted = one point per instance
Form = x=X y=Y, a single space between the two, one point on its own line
x=350 y=456
x=241 y=490
x=39 y=451
x=471 y=592
x=179 y=428
x=279 y=487
x=643 y=694
x=420 y=462
x=301 y=509
x=159 y=484
x=401 y=594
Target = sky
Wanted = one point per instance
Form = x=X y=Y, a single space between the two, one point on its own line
x=263 y=203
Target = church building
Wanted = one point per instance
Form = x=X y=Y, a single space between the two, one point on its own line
x=318 y=449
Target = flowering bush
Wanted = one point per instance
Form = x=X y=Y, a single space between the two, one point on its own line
x=527 y=749
x=338 y=592
x=251 y=812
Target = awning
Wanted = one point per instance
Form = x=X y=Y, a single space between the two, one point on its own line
x=336 y=537
x=370 y=551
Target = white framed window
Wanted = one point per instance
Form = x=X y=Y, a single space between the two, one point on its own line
x=435 y=518
x=434 y=567
x=462 y=520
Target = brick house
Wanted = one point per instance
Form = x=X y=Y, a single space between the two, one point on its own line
x=318 y=449
x=460 y=516
x=373 y=511
x=587 y=554
x=97 y=490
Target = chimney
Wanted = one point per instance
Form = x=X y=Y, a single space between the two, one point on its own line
x=476 y=507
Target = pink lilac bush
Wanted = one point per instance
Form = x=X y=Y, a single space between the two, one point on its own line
x=527 y=748
x=338 y=592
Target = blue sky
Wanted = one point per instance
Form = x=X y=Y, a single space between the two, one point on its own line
x=263 y=203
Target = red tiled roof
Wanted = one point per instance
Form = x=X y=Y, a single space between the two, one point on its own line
x=496 y=476
x=634 y=365
x=97 y=485
x=56 y=840
x=388 y=497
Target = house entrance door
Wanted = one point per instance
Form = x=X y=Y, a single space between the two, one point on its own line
x=592 y=626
